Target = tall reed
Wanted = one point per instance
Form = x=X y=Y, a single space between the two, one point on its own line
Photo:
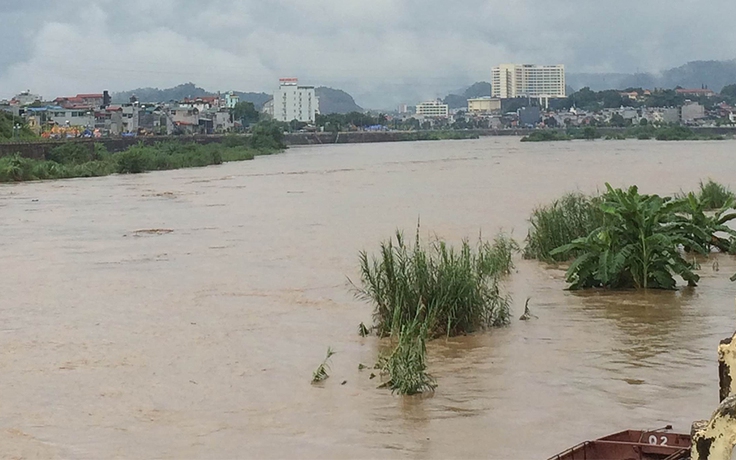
x=450 y=291
x=573 y=216
x=715 y=195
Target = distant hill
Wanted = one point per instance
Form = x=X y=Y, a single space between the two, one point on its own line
x=478 y=89
x=335 y=101
x=258 y=99
x=177 y=93
x=330 y=100
x=712 y=74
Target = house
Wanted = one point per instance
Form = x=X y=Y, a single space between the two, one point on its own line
x=202 y=103
x=690 y=112
x=81 y=100
x=231 y=100
x=25 y=99
x=222 y=121
x=705 y=92
x=82 y=116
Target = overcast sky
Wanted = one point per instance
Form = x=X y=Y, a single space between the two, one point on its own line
x=383 y=52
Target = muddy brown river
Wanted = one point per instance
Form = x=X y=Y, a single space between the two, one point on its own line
x=180 y=314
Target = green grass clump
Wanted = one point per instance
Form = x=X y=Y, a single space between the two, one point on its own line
x=715 y=195
x=546 y=136
x=406 y=365
x=573 y=216
x=451 y=291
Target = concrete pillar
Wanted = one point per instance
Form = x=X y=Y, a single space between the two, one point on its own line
x=716 y=440
x=727 y=367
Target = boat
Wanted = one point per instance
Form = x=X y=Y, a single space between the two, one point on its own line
x=660 y=444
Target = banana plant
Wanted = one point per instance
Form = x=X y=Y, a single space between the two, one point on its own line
x=712 y=226
x=638 y=246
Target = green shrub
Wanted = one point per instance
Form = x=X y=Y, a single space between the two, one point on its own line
x=15 y=168
x=452 y=291
x=76 y=153
x=267 y=137
x=138 y=159
x=561 y=222
x=675 y=133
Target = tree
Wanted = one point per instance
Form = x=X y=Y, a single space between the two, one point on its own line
x=729 y=90
x=590 y=133
x=617 y=120
x=245 y=112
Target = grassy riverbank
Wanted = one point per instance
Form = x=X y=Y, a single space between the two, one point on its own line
x=91 y=160
x=662 y=133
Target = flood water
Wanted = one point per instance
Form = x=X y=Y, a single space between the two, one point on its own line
x=200 y=342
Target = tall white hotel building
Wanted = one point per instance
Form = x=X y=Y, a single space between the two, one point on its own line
x=527 y=80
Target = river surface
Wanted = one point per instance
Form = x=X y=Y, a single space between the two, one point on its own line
x=198 y=340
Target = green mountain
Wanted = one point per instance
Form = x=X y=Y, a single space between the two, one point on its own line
x=696 y=74
x=335 y=101
x=458 y=101
x=180 y=92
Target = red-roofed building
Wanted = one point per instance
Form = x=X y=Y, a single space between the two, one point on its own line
x=81 y=100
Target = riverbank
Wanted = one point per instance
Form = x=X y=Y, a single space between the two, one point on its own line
x=663 y=133
x=38 y=149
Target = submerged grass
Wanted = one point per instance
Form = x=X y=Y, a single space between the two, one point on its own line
x=573 y=216
x=406 y=365
x=320 y=373
x=450 y=291
x=421 y=292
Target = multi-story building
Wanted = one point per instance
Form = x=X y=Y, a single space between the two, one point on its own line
x=25 y=98
x=294 y=102
x=485 y=104
x=433 y=109
x=231 y=100
x=527 y=80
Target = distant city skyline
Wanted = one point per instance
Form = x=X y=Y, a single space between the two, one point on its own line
x=383 y=52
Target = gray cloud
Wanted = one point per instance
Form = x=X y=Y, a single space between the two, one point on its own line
x=383 y=52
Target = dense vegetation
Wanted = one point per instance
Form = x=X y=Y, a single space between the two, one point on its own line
x=637 y=245
x=662 y=133
x=587 y=99
x=74 y=159
x=571 y=217
x=13 y=128
x=624 y=239
x=420 y=292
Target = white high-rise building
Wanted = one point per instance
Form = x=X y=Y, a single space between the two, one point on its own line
x=433 y=109
x=527 y=80
x=294 y=102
